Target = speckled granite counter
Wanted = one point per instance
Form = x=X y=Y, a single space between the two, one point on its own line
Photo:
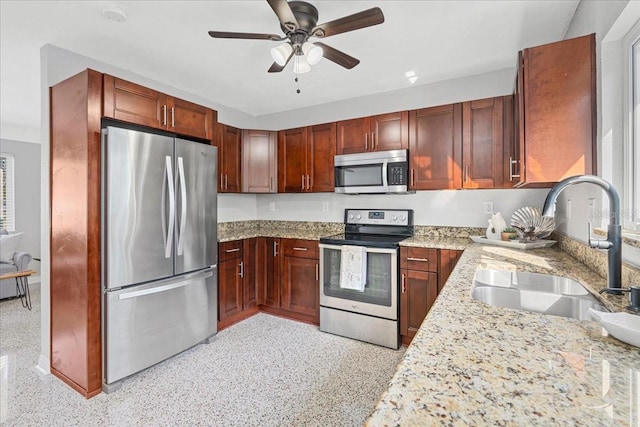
x=474 y=364
x=284 y=229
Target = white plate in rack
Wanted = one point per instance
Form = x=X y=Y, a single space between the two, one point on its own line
x=516 y=244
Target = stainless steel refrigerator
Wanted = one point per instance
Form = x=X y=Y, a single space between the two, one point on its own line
x=159 y=257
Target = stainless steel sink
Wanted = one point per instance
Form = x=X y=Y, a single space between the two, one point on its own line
x=539 y=293
x=530 y=282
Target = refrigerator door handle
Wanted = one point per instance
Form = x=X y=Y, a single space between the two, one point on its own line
x=172 y=207
x=166 y=285
x=183 y=196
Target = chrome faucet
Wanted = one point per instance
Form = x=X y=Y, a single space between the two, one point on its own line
x=613 y=243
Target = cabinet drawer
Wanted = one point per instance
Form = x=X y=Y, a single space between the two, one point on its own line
x=230 y=250
x=300 y=248
x=421 y=259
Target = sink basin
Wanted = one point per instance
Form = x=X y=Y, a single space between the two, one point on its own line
x=530 y=282
x=538 y=293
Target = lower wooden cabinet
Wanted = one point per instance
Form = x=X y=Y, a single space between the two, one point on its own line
x=419 y=290
x=268 y=278
x=300 y=286
x=423 y=272
x=237 y=286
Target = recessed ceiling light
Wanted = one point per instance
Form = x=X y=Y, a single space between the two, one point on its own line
x=114 y=13
x=413 y=79
x=409 y=74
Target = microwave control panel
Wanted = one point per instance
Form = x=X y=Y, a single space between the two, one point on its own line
x=397 y=173
x=379 y=216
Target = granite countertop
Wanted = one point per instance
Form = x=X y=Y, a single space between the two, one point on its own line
x=474 y=364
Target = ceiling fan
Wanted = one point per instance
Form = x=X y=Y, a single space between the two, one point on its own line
x=298 y=21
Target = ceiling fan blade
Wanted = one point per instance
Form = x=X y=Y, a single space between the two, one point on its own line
x=366 y=18
x=249 y=36
x=337 y=56
x=284 y=13
x=276 y=68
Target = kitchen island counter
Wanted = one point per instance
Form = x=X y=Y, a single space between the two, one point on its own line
x=474 y=364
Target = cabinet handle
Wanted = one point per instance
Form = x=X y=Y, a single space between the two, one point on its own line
x=404 y=283
x=275 y=248
x=417 y=259
x=512 y=163
x=221 y=182
x=226 y=181
x=317 y=272
x=173 y=121
x=270 y=183
x=241 y=274
x=366 y=142
x=302 y=187
x=308 y=183
x=413 y=177
x=232 y=250
x=300 y=249
x=164 y=115
x=466 y=173
x=373 y=141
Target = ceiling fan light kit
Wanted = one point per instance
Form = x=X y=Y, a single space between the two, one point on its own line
x=298 y=21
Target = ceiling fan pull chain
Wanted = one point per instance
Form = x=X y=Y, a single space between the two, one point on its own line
x=297 y=79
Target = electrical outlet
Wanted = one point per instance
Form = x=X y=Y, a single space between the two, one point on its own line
x=488 y=208
x=325 y=206
x=272 y=206
x=569 y=209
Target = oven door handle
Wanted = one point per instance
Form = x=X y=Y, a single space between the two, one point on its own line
x=368 y=248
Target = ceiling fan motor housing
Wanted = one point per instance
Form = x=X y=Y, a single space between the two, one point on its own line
x=306 y=15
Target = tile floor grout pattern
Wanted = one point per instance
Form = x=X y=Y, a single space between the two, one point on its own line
x=264 y=371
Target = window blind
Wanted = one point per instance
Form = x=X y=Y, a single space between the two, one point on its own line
x=7 y=192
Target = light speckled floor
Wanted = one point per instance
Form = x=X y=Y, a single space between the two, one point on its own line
x=265 y=371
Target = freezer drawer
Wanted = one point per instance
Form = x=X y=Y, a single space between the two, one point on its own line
x=149 y=323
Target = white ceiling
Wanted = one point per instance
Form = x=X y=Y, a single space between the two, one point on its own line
x=167 y=41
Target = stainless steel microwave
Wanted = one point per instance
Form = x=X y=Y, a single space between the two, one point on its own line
x=374 y=172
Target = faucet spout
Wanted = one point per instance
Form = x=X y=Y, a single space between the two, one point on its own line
x=614 y=231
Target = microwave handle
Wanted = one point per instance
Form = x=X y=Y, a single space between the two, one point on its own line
x=385 y=181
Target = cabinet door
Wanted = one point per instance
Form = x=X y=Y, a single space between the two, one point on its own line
x=435 y=146
x=559 y=110
x=482 y=143
x=448 y=260
x=269 y=277
x=259 y=161
x=129 y=102
x=292 y=160
x=509 y=157
x=300 y=288
x=187 y=118
x=353 y=136
x=390 y=131
x=419 y=290
x=229 y=159
x=250 y=273
x=322 y=149
x=229 y=289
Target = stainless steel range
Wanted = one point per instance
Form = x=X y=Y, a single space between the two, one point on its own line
x=359 y=286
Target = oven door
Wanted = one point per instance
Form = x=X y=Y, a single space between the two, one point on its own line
x=380 y=295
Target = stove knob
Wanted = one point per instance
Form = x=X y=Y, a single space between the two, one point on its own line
x=402 y=218
x=350 y=216
x=394 y=218
x=358 y=216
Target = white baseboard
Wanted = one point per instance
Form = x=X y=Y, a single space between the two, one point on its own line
x=43 y=366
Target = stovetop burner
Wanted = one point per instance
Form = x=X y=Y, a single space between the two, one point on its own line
x=383 y=228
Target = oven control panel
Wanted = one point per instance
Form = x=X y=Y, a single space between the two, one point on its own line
x=379 y=216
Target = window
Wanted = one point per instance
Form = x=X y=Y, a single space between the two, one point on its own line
x=7 y=193
x=631 y=44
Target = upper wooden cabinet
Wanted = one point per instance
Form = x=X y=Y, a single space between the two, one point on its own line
x=305 y=159
x=140 y=105
x=482 y=143
x=376 y=133
x=556 y=111
x=259 y=161
x=229 y=161
x=435 y=147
